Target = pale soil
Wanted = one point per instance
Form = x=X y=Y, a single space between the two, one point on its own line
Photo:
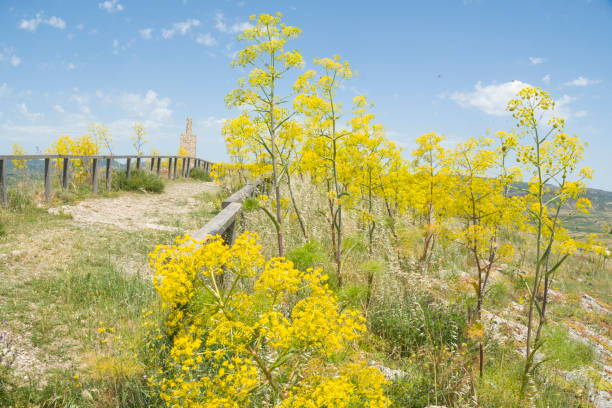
x=119 y=230
x=135 y=211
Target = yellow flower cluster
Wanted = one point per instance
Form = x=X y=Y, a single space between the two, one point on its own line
x=285 y=342
x=19 y=164
x=86 y=145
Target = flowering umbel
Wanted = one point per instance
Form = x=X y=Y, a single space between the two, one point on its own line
x=284 y=343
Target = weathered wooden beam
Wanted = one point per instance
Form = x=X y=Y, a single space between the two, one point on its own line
x=128 y=171
x=152 y=164
x=188 y=173
x=138 y=163
x=94 y=175
x=65 y=172
x=3 y=187
x=169 y=168
x=48 y=173
x=240 y=195
x=158 y=165
x=175 y=164
x=219 y=225
x=108 y=174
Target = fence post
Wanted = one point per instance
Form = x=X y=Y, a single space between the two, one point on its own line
x=188 y=172
x=169 y=168
x=94 y=172
x=108 y=174
x=3 y=195
x=48 y=171
x=138 y=163
x=65 y=173
x=152 y=162
x=174 y=175
x=158 y=165
x=129 y=168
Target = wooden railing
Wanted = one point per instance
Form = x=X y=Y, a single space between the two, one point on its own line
x=188 y=163
x=224 y=223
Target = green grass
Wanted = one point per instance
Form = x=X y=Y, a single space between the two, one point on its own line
x=140 y=180
x=419 y=321
x=501 y=383
x=565 y=352
x=200 y=174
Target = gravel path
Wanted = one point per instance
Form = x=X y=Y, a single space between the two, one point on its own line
x=136 y=211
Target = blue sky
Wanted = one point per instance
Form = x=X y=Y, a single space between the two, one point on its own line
x=444 y=66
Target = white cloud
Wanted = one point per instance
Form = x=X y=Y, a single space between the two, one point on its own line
x=181 y=27
x=148 y=106
x=81 y=101
x=5 y=90
x=210 y=122
x=111 y=6
x=537 y=60
x=546 y=79
x=33 y=23
x=56 y=22
x=582 y=81
x=70 y=66
x=23 y=109
x=146 y=33
x=562 y=106
x=235 y=28
x=564 y=109
x=581 y=114
x=491 y=99
x=70 y=114
x=206 y=39
x=79 y=27
x=7 y=55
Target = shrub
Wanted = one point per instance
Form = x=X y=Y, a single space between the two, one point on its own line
x=240 y=347
x=307 y=256
x=200 y=174
x=140 y=180
x=419 y=321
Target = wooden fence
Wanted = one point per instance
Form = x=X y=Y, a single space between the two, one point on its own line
x=224 y=223
x=187 y=164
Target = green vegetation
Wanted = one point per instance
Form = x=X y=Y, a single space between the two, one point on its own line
x=140 y=180
x=200 y=174
x=565 y=352
x=419 y=321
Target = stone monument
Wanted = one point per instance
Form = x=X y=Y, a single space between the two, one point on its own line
x=188 y=140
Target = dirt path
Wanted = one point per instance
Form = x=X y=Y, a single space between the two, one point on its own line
x=168 y=211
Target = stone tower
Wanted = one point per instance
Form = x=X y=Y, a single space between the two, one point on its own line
x=188 y=140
